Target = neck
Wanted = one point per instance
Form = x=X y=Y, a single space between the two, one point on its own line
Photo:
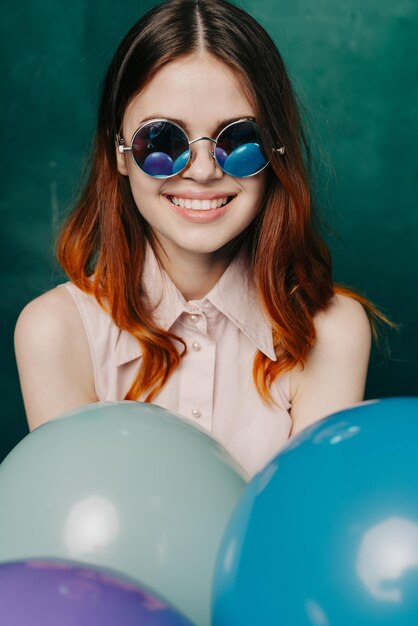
x=194 y=274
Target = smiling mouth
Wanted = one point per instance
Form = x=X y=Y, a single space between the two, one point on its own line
x=200 y=205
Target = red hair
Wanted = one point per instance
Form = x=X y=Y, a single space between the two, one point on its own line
x=102 y=245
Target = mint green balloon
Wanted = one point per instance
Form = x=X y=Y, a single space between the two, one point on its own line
x=124 y=485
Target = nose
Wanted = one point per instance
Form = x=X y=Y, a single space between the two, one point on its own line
x=202 y=165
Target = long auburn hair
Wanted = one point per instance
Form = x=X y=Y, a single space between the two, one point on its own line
x=102 y=244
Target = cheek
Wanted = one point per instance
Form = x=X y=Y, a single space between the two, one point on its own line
x=261 y=183
x=256 y=189
x=143 y=187
x=134 y=174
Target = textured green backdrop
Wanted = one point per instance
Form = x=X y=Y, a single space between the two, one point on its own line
x=354 y=65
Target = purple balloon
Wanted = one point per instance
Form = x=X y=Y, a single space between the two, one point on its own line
x=221 y=155
x=65 y=593
x=158 y=164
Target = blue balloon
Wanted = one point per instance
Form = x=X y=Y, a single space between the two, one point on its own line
x=181 y=161
x=244 y=160
x=327 y=533
x=158 y=164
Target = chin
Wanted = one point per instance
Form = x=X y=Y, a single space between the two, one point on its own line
x=204 y=248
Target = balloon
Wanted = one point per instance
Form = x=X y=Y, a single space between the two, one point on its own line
x=158 y=164
x=181 y=161
x=221 y=155
x=52 y=593
x=244 y=160
x=327 y=533
x=124 y=485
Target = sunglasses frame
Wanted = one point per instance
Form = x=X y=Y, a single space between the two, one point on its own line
x=122 y=148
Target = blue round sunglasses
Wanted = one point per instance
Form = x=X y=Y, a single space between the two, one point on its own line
x=161 y=148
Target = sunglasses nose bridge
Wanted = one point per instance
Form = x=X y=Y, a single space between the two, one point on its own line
x=211 y=151
x=202 y=138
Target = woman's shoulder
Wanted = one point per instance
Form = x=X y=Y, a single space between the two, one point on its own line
x=62 y=308
x=52 y=312
x=53 y=305
x=53 y=356
x=343 y=323
x=335 y=370
x=47 y=324
x=342 y=329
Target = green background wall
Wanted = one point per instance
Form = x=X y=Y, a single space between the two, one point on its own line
x=354 y=65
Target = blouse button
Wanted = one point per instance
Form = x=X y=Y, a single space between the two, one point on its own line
x=193 y=318
x=196 y=413
x=196 y=346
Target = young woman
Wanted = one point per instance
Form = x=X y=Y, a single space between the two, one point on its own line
x=198 y=280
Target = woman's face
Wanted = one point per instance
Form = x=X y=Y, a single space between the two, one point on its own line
x=200 y=92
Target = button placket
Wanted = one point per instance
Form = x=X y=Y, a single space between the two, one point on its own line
x=196 y=389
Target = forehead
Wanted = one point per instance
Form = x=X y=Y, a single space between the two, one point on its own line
x=197 y=89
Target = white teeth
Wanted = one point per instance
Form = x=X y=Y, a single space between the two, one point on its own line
x=199 y=205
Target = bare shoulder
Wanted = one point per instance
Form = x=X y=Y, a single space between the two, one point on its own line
x=49 y=321
x=335 y=370
x=53 y=310
x=53 y=356
x=344 y=322
x=342 y=332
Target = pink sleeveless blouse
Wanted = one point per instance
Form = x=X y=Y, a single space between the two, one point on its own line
x=213 y=385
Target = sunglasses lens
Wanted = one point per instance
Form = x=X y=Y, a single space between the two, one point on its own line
x=239 y=150
x=160 y=149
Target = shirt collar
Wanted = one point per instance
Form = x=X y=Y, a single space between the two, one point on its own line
x=234 y=295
